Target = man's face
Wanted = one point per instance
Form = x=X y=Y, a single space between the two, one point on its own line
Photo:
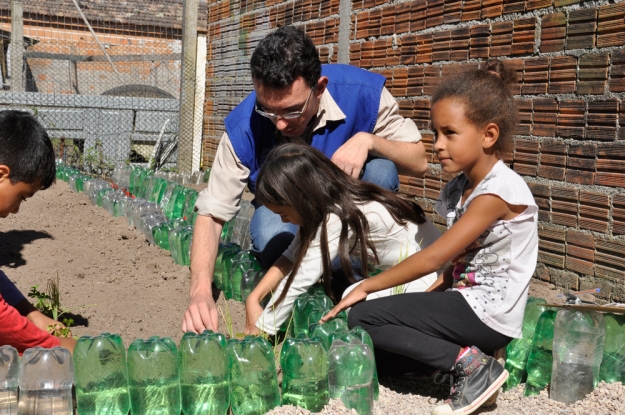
x=13 y=194
x=298 y=97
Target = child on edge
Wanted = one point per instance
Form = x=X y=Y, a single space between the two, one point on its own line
x=492 y=242
x=338 y=216
x=26 y=166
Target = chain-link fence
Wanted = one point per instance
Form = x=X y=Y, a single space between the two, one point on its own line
x=105 y=78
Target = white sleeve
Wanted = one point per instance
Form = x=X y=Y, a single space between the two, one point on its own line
x=308 y=274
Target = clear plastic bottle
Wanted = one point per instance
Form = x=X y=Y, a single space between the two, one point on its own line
x=577 y=351
x=9 y=368
x=101 y=375
x=45 y=381
x=350 y=375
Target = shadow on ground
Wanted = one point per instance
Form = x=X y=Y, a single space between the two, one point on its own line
x=12 y=243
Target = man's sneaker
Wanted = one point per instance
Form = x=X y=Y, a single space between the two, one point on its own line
x=476 y=377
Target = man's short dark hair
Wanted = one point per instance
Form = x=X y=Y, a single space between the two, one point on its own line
x=26 y=149
x=283 y=56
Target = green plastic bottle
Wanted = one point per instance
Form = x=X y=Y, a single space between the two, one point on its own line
x=101 y=375
x=249 y=281
x=154 y=377
x=224 y=251
x=157 y=189
x=304 y=364
x=174 y=205
x=204 y=374
x=240 y=266
x=325 y=331
x=613 y=362
x=517 y=350
x=540 y=359
x=308 y=309
x=189 y=203
x=350 y=375
x=229 y=259
x=253 y=379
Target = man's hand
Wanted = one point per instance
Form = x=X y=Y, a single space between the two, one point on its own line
x=201 y=313
x=356 y=295
x=352 y=155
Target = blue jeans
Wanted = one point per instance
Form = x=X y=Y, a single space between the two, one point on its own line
x=271 y=237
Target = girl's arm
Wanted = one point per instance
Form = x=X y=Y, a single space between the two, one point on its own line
x=480 y=214
x=444 y=280
x=266 y=286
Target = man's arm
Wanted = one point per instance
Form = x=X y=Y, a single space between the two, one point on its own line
x=394 y=138
x=219 y=200
x=201 y=313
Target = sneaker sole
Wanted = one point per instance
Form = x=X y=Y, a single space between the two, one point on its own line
x=494 y=388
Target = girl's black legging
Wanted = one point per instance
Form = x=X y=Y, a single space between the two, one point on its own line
x=415 y=330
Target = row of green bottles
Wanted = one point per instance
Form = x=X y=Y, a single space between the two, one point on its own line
x=517 y=350
x=613 y=362
x=236 y=272
x=539 y=360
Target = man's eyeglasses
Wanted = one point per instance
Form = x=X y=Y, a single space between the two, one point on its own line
x=289 y=115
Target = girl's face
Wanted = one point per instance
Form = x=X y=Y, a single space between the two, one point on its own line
x=287 y=214
x=458 y=143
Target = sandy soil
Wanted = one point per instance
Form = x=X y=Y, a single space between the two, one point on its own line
x=113 y=280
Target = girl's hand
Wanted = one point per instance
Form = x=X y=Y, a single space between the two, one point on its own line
x=253 y=310
x=356 y=295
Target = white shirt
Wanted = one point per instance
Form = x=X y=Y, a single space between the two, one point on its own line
x=393 y=243
x=494 y=272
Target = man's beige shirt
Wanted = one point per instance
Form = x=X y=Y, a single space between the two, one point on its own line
x=228 y=176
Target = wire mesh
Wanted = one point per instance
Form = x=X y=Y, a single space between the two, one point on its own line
x=103 y=77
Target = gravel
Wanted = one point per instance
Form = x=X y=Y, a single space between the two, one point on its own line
x=409 y=397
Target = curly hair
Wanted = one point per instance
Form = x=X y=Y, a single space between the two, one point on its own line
x=486 y=98
x=283 y=56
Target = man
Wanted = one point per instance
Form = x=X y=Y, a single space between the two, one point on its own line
x=345 y=112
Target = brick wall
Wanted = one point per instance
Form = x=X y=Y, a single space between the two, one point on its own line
x=569 y=57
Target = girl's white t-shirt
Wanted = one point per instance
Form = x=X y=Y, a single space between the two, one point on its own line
x=494 y=272
x=393 y=243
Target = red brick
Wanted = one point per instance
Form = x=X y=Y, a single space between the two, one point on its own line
x=431 y=78
x=545 y=117
x=432 y=185
x=571 y=119
x=492 y=8
x=617 y=73
x=601 y=119
x=428 y=141
x=581 y=163
x=564 y=206
x=562 y=74
x=471 y=10
x=418 y=12
x=593 y=73
x=513 y=6
x=424 y=48
x=552 y=160
x=542 y=194
x=537 y=4
x=435 y=13
x=618 y=214
x=610 y=27
x=526 y=157
x=523 y=36
x=610 y=159
x=535 y=76
x=553 y=32
x=501 y=39
x=415 y=81
x=422 y=113
x=517 y=65
x=594 y=211
x=479 y=41
x=551 y=248
x=459 y=45
x=582 y=29
x=452 y=11
x=609 y=262
x=440 y=45
x=525 y=109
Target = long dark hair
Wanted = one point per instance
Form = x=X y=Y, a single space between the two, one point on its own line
x=303 y=178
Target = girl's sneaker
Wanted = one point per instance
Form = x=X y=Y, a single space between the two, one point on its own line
x=476 y=377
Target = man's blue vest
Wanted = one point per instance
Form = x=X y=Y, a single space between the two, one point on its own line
x=357 y=93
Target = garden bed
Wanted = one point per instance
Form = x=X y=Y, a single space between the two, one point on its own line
x=130 y=287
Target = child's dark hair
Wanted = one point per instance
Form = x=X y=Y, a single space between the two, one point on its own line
x=303 y=178
x=486 y=98
x=26 y=149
